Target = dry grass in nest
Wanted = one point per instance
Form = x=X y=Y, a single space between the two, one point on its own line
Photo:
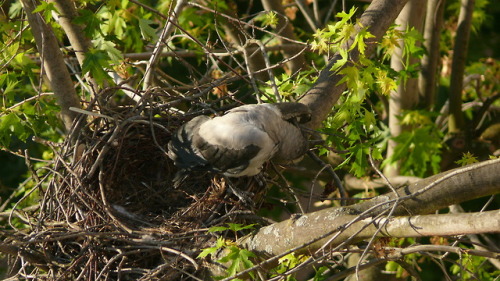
x=108 y=209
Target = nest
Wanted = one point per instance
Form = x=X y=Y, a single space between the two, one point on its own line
x=108 y=208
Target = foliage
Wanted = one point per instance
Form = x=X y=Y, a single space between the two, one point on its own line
x=238 y=259
x=419 y=147
x=355 y=116
x=287 y=263
x=289 y=87
x=468 y=267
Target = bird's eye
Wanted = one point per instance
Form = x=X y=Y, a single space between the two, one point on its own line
x=303 y=118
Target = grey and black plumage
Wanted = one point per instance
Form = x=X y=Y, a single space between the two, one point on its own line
x=239 y=142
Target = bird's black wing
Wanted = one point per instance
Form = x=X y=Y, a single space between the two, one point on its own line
x=180 y=148
x=223 y=159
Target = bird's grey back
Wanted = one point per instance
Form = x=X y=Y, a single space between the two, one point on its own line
x=239 y=142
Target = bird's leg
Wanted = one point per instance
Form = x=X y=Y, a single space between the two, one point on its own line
x=260 y=179
x=243 y=196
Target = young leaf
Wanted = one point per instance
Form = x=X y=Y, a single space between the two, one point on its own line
x=467 y=158
x=147 y=32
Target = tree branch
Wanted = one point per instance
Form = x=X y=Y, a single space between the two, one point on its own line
x=80 y=43
x=423 y=197
x=53 y=64
x=74 y=32
x=160 y=44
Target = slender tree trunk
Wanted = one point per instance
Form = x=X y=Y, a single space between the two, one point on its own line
x=75 y=34
x=406 y=95
x=432 y=35
x=53 y=63
x=456 y=119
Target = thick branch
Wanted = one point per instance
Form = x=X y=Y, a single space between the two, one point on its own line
x=438 y=225
x=442 y=190
x=325 y=92
x=423 y=197
x=53 y=64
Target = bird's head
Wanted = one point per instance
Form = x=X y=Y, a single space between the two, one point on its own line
x=294 y=111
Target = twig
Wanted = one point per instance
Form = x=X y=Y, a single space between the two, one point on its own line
x=343 y=193
x=148 y=76
x=372 y=163
x=307 y=14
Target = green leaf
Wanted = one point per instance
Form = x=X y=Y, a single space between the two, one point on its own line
x=94 y=63
x=239 y=258
x=211 y=250
x=351 y=78
x=217 y=229
x=10 y=85
x=12 y=125
x=385 y=83
x=341 y=62
x=360 y=162
x=345 y=34
x=109 y=47
x=360 y=38
x=46 y=10
x=377 y=154
x=467 y=159
x=238 y=226
x=345 y=17
x=147 y=32
x=90 y=21
x=207 y=251
x=268 y=19
x=320 y=42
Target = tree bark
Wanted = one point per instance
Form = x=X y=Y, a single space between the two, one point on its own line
x=53 y=64
x=432 y=34
x=80 y=43
x=379 y=15
x=406 y=95
x=456 y=119
x=74 y=32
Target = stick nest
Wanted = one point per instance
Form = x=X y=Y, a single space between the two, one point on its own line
x=108 y=208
